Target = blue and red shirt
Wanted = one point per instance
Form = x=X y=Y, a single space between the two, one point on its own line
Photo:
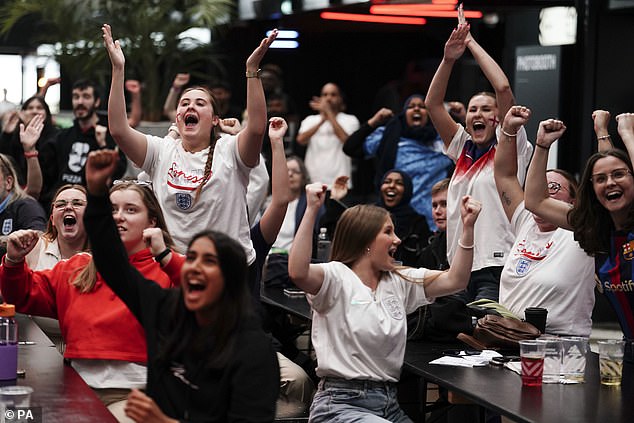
x=616 y=278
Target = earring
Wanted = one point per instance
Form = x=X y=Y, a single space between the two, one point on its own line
x=367 y=250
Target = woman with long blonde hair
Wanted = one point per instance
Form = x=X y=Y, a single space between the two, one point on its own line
x=360 y=300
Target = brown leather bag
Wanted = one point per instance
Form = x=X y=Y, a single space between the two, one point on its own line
x=496 y=332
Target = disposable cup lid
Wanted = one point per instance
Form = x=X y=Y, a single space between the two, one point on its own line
x=7 y=310
x=15 y=390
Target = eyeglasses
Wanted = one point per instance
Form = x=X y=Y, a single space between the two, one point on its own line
x=616 y=175
x=138 y=182
x=75 y=203
x=555 y=187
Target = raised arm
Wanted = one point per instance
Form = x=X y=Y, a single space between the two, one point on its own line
x=132 y=142
x=505 y=168
x=601 y=119
x=273 y=216
x=108 y=251
x=536 y=195
x=48 y=84
x=496 y=76
x=28 y=137
x=625 y=126
x=492 y=71
x=171 y=101
x=250 y=138
x=309 y=277
x=439 y=283
x=434 y=101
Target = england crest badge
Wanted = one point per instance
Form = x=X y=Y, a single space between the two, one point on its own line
x=7 y=226
x=523 y=266
x=184 y=201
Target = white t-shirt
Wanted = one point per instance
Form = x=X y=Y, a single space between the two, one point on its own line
x=549 y=270
x=286 y=234
x=257 y=189
x=325 y=159
x=222 y=204
x=492 y=232
x=359 y=334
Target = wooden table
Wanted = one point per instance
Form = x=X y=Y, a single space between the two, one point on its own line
x=57 y=388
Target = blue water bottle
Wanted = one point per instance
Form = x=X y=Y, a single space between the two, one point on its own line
x=8 y=342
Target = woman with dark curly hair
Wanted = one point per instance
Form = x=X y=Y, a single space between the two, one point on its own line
x=602 y=217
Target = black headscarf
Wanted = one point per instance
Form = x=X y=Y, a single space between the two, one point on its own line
x=402 y=214
x=395 y=129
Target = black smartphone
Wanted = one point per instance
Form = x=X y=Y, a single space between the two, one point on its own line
x=456 y=352
x=500 y=361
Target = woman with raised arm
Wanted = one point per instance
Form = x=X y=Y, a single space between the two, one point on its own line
x=360 y=300
x=602 y=217
x=23 y=133
x=473 y=147
x=208 y=358
x=104 y=343
x=537 y=272
x=200 y=180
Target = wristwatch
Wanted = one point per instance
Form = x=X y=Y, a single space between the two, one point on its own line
x=252 y=74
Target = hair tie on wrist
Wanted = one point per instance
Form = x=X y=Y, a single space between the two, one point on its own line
x=30 y=154
x=160 y=256
x=466 y=247
x=541 y=146
x=12 y=261
x=604 y=137
x=507 y=134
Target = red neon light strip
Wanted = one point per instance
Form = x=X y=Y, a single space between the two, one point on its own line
x=428 y=14
x=411 y=11
x=415 y=6
x=372 y=18
x=445 y=2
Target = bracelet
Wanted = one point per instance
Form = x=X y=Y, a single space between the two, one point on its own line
x=541 y=146
x=466 y=247
x=253 y=74
x=160 y=256
x=12 y=261
x=31 y=154
x=507 y=134
x=604 y=137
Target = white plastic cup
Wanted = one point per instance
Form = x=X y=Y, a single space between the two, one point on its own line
x=574 y=359
x=532 y=359
x=16 y=396
x=611 y=361
x=552 y=359
x=12 y=397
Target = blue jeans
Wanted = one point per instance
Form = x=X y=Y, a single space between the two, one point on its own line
x=339 y=400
